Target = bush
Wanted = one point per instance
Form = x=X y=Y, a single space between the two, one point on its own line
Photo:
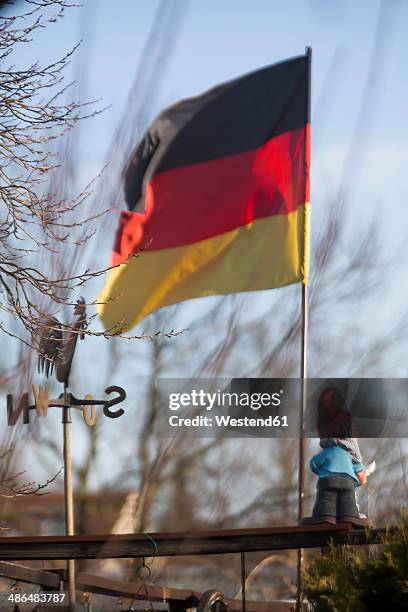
x=355 y=579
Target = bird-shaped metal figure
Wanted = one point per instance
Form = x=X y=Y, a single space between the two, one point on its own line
x=56 y=346
x=49 y=345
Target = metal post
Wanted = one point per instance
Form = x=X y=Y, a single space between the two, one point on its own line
x=303 y=391
x=243 y=581
x=68 y=490
x=303 y=364
x=301 y=476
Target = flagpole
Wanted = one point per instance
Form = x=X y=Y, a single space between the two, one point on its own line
x=303 y=374
x=303 y=371
x=68 y=490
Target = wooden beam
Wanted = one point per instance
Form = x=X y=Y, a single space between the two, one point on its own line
x=171 y=544
x=114 y=587
x=123 y=588
x=31 y=575
x=103 y=585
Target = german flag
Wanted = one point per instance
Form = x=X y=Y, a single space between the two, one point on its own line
x=218 y=194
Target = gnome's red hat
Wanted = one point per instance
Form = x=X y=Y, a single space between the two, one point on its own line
x=333 y=421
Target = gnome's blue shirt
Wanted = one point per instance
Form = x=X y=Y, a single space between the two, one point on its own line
x=335 y=460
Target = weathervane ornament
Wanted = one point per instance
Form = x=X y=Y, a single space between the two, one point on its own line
x=56 y=345
x=56 y=349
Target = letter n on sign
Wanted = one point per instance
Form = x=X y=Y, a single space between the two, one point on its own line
x=14 y=413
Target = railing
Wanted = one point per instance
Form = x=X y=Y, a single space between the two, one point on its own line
x=178 y=543
x=166 y=544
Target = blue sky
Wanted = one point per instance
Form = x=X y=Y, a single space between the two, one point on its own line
x=219 y=40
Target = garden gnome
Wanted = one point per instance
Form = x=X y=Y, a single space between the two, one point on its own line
x=336 y=466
